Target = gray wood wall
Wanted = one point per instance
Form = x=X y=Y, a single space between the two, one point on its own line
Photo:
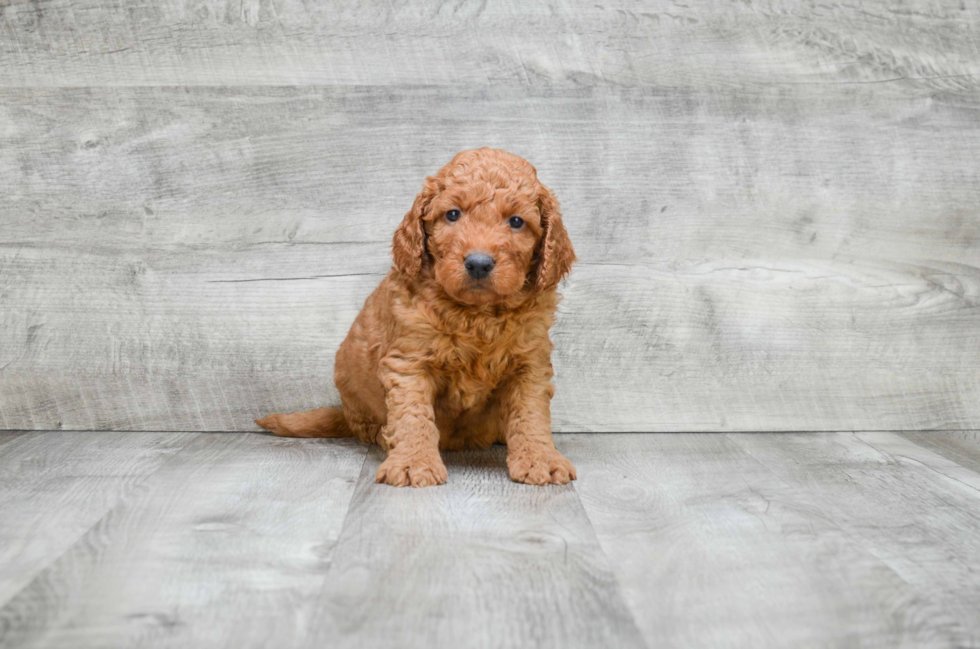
x=776 y=204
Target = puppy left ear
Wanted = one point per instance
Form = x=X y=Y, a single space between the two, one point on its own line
x=408 y=244
x=556 y=255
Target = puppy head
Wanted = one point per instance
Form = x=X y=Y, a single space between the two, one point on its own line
x=485 y=228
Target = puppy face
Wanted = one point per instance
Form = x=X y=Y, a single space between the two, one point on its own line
x=486 y=228
x=482 y=237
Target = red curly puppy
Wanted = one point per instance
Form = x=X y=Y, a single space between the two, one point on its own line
x=451 y=351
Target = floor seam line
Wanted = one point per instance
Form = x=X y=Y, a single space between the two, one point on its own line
x=98 y=521
x=609 y=566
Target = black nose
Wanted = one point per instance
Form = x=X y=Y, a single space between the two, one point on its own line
x=478 y=265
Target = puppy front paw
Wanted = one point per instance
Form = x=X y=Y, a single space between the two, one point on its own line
x=424 y=469
x=540 y=466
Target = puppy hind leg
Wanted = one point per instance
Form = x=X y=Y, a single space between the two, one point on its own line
x=322 y=422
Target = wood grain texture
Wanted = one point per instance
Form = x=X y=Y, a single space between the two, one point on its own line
x=570 y=43
x=10 y=435
x=224 y=546
x=714 y=549
x=915 y=510
x=962 y=447
x=479 y=562
x=55 y=486
x=237 y=540
x=800 y=259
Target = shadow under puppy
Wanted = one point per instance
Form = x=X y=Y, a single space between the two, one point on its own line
x=451 y=351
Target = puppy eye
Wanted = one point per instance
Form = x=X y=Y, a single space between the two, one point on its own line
x=452 y=216
x=515 y=222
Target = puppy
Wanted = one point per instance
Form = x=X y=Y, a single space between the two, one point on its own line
x=451 y=351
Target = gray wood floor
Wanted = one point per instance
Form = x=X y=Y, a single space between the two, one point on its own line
x=112 y=539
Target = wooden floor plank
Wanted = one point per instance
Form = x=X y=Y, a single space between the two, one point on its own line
x=962 y=447
x=55 y=486
x=913 y=509
x=714 y=549
x=10 y=435
x=224 y=546
x=479 y=562
x=236 y=540
x=898 y=447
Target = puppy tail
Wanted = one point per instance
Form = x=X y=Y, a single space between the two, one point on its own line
x=322 y=422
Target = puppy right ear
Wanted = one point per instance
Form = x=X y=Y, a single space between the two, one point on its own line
x=408 y=244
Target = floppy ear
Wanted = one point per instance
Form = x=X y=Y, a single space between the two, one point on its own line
x=556 y=253
x=408 y=244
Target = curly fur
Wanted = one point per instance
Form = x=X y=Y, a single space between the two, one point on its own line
x=438 y=360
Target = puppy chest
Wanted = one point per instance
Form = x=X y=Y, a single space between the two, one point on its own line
x=470 y=373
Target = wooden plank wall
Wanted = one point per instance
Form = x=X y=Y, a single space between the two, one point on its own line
x=776 y=204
